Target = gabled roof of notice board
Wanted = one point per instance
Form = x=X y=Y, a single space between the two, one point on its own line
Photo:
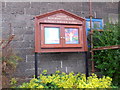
x=60 y=11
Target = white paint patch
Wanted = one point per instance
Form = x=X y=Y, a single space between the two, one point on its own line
x=66 y=69
x=30 y=69
x=61 y=65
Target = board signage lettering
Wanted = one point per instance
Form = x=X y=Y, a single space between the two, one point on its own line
x=61 y=18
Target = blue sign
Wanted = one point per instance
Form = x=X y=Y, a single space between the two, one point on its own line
x=96 y=24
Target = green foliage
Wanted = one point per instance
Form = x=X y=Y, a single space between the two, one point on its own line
x=71 y=80
x=12 y=60
x=13 y=81
x=9 y=63
x=108 y=61
x=44 y=72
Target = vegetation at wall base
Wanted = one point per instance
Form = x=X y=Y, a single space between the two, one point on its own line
x=108 y=61
x=9 y=61
x=71 y=80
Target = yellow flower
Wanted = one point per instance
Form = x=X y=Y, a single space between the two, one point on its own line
x=40 y=86
x=70 y=81
x=57 y=71
x=33 y=80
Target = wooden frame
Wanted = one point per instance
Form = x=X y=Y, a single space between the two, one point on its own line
x=80 y=38
x=61 y=19
x=62 y=36
x=43 y=45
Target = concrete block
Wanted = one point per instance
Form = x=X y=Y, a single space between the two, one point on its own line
x=29 y=65
x=5 y=35
x=45 y=5
x=20 y=44
x=32 y=11
x=76 y=69
x=30 y=58
x=80 y=63
x=47 y=63
x=102 y=14
x=30 y=72
x=18 y=31
x=29 y=30
x=12 y=10
x=69 y=63
x=24 y=17
x=20 y=70
x=30 y=24
x=76 y=56
x=18 y=38
x=35 y=4
x=51 y=5
x=19 y=24
x=85 y=6
x=5 y=26
x=98 y=4
x=3 y=4
x=8 y=18
x=20 y=18
x=112 y=5
x=29 y=37
x=72 y=6
x=5 y=31
x=61 y=69
x=67 y=6
x=24 y=52
x=27 y=19
x=18 y=4
x=32 y=45
x=54 y=56
x=43 y=10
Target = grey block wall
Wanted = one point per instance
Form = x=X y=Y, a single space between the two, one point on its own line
x=20 y=15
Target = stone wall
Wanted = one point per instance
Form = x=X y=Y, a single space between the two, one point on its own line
x=20 y=15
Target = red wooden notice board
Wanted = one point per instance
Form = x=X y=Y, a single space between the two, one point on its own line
x=60 y=31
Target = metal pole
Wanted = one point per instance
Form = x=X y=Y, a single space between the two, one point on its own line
x=86 y=64
x=91 y=37
x=36 y=66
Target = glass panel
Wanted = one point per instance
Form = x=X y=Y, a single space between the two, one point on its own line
x=96 y=24
x=52 y=35
x=71 y=36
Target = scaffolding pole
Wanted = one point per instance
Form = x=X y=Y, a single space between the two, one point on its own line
x=91 y=36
